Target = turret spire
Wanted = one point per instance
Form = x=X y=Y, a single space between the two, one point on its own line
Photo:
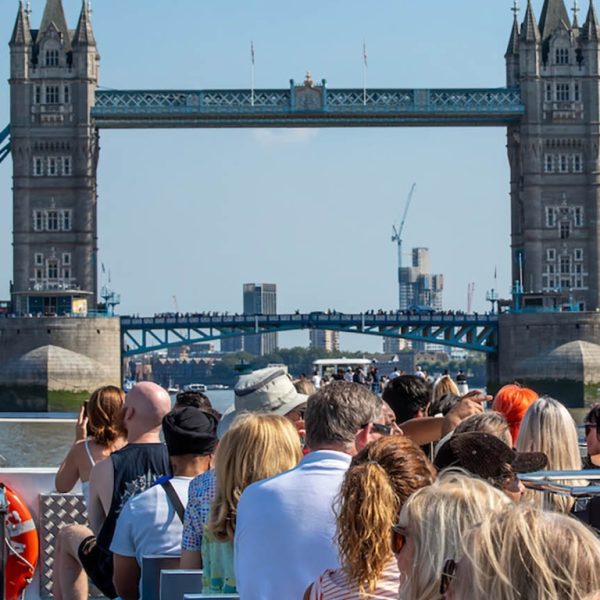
x=575 y=10
x=54 y=14
x=554 y=14
x=513 y=42
x=529 y=30
x=21 y=33
x=591 y=28
x=84 y=35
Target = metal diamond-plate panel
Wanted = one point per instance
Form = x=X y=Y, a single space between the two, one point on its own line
x=56 y=511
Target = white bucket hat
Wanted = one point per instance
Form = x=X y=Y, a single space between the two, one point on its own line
x=266 y=390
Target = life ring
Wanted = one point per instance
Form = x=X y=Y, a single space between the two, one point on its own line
x=22 y=545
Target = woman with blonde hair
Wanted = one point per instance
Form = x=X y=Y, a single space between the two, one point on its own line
x=98 y=433
x=525 y=553
x=256 y=446
x=432 y=524
x=444 y=385
x=549 y=428
x=380 y=479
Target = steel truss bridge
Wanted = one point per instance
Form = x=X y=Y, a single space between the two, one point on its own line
x=306 y=105
x=149 y=334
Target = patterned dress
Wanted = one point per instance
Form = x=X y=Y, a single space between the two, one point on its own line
x=201 y=495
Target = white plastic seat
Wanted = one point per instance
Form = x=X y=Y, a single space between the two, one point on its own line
x=174 y=583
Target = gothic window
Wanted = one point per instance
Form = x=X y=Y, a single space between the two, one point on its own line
x=562 y=56
x=66 y=220
x=548 y=92
x=52 y=167
x=565 y=230
x=577 y=163
x=578 y=216
x=66 y=259
x=67 y=94
x=52 y=269
x=576 y=93
x=563 y=92
x=38 y=166
x=563 y=163
x=67 y=273
x=550 y=216
x=39 y=274
x=38 y=220
x=52 y=220
x=578 y=255
x=551 y=254
x=52 y=59
x=565 y=264
x=39 y=259
x=37 y=94
x=66 y=165
x=52 y=94
x=548 y=163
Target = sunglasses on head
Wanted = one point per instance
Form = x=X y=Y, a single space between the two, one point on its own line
x=447 y=575
x=398 y=538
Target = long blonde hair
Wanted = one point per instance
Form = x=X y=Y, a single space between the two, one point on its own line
x=435 y=519
x=549 y=428
x=256 y=446
x=380 y=479
x=528 y=553
x=444 y=385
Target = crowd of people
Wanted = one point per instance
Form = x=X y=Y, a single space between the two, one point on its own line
x=332 y=493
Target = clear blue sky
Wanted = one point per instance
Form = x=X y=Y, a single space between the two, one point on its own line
x=196 y=213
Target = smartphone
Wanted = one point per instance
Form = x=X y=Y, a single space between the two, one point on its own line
x=85 y=408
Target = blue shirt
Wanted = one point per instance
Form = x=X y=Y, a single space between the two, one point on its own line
x=284 y=536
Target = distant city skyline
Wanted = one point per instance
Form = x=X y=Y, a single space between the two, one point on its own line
x=194 y=214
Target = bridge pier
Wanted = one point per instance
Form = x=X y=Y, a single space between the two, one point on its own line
x=554 y=353
x=53 y=363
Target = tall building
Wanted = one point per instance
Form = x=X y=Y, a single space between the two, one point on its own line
x=553 y=155
x=260 y=299
x=322 y=339
x=53 y=80
x=418 y=286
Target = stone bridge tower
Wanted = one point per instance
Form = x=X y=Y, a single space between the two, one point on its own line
x=54 y=74
x=553 y=155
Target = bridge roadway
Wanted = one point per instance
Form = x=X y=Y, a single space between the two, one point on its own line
x=140 y=335
x=307 y=105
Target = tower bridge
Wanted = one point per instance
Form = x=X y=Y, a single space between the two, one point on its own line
x=549 y=105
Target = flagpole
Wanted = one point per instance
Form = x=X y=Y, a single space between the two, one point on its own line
x=252 y=73
x=364 y=74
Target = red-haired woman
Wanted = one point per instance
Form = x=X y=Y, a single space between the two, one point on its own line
x=513 y=401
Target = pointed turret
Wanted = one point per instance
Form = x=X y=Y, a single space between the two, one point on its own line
x=21 y=33
x=529 y=30
x=575 y=21
x=554 y=15
x=513 y=42
x=84 y=35
x=54 y=14
x=591 y=28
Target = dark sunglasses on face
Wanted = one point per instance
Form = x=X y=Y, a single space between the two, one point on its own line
x=382 y=429
x=447 y=574
x=398 y=538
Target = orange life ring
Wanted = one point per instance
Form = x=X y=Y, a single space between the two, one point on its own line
x=22 y=546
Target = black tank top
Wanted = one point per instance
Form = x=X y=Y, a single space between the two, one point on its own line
x=135 y=467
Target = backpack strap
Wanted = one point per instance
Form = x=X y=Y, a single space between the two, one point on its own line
x=174 y=498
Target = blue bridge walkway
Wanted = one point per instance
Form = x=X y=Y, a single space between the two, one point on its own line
x=149 y=334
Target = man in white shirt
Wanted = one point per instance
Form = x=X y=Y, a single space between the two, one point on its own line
x=150 y=522
x=284 y=536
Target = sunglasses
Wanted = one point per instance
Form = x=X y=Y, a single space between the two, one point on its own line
x=381 y=428
x=398 y=538
x=447 y=574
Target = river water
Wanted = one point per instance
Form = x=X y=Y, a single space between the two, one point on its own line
x=24 y=444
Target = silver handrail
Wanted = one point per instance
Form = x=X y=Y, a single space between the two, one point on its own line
x=554 y=482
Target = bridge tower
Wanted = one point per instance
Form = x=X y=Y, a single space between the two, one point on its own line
x=554 y=156
x=54 y=74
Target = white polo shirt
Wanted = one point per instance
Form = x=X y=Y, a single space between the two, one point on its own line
x=284 y=536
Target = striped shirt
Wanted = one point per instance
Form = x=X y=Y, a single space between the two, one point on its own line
x=335 y=585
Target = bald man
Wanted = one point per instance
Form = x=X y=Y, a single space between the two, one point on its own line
x=113 y=481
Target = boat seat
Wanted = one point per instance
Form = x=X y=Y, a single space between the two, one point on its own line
x=56 y=511
x=174 y=583
x=151 y=568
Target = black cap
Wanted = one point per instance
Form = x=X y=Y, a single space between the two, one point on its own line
x=190 y=430
x=485 y=455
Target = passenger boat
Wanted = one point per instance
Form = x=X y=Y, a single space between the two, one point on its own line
x=194 y=387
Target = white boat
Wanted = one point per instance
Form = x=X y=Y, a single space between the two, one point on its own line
x=194 y=387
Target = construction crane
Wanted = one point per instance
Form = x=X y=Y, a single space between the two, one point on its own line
x=397 y=237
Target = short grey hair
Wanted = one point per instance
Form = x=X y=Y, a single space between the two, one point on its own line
x=490 y=422
x=336 y=412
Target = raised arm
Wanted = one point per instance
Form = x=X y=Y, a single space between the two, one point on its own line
x=68 y=472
